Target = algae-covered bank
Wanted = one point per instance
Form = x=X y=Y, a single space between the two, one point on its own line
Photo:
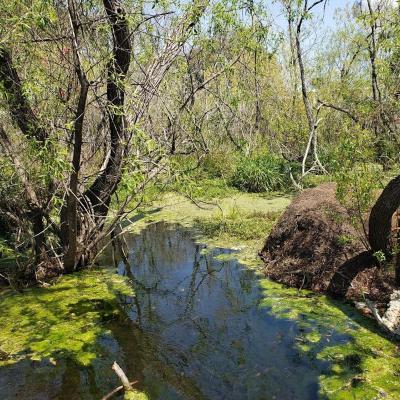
x=53 y=338
x=184 y=310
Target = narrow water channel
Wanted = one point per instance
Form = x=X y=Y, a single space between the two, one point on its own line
x=200 y=326
x=202 y=323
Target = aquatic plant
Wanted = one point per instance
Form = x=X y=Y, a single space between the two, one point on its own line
x=237 y=224
x=64 y=320
x=362 y=363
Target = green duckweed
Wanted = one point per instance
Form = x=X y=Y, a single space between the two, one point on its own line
x=365 y=366
x=61 y=321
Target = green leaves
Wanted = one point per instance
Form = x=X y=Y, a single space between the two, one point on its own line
x=262 y=173
x=356 y=176
x=51 y=160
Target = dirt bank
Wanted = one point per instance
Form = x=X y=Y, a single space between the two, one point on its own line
x=313 y=246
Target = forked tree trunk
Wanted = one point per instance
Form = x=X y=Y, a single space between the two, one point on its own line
x=100 y=193
x=380 y=220
x=312 y=123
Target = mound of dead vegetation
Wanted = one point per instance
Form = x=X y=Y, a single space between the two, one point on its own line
x=314 y=246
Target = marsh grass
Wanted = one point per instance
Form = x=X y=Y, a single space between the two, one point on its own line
x=238 y=224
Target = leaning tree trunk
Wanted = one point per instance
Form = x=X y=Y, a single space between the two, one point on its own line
x=380 y=220
x=23 y=116
x=105 y=185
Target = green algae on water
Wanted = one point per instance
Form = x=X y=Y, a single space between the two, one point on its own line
x=365 y=365
x=135 y=395
x=241 y=221
x=64 y=320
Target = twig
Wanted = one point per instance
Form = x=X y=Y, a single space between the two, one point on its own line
x=121 y=375
x=115 y=391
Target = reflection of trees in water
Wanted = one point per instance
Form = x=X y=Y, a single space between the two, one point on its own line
x=203 y=272
x=198 y=330
x=143 y=361
x=193 y=330
x=205 y=277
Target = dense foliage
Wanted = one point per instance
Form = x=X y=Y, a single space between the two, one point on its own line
x=106 y=102
x=261 y=173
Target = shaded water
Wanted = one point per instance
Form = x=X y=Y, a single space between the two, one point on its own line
x=196 y=329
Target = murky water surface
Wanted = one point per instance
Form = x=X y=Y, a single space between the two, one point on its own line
x=195 y=330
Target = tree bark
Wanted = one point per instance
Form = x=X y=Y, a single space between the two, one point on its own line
x=380 y=220
x=376 y=94
x=105 y=185
x=20 y=110
x=69 y=212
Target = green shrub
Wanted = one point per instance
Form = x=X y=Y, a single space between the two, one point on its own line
x=262 y=173
x=220 y=164
x=311 y=180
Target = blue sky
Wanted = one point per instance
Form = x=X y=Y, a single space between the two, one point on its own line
x=328 y=16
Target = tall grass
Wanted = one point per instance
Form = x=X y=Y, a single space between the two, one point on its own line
x=261 y=173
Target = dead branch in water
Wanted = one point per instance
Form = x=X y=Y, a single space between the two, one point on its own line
x=121 y=375
x=126 y=385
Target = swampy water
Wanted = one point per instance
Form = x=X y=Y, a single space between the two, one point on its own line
x=202 y=326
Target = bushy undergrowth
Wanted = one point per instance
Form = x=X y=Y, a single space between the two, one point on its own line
x=216 y=175
x=357 y=178
x=261 y=173
x=220 y=164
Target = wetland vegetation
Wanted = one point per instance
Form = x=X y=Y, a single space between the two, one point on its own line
x=199 y=200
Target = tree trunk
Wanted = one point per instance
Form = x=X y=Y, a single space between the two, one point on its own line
x=380 y=220
x=312 y=124
x=69 y=212
x=20 y=109
x=376 y=94
x=39 y=237
x=105 y=185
